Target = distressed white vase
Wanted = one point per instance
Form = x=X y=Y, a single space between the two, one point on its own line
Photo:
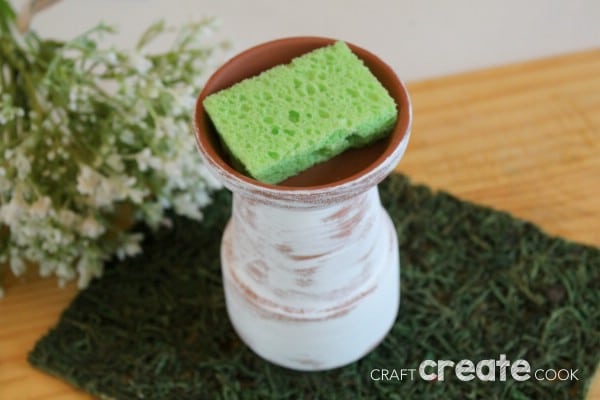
x=310 y=266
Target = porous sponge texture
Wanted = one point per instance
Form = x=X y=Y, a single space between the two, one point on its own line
x=293 y=116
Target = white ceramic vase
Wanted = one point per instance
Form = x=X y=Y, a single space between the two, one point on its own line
x=311 y=266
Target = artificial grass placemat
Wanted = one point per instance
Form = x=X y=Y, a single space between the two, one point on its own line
x=476 y=283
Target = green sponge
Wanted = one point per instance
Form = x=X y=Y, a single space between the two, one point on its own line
x=293 y=116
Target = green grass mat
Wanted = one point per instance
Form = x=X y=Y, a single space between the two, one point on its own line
x=476 y=283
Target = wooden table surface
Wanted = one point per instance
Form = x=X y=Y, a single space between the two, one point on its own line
x=523 y=138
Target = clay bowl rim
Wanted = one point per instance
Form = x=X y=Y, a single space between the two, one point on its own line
x=234 y=178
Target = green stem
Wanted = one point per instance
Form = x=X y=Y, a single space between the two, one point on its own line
x=15 y=62
x=3 y=82
x=32 y=95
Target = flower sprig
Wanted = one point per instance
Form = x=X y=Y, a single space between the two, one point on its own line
x=88 y=131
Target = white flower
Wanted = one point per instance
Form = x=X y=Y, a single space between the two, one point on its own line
x=140 y=63
x=41 y=207
x=174 y=173
x=104 y=191
x=11 y=212
x=139 y=112
x=88 y=267
x=202 y=198
x=116 y=162
x=57 y=116
x=67 y=218
x=127 y=137
x=84 y=268
x=119 y=187
x=184 y=101
x=88 y=180
x=111 y=58
x=184 y=205
x=211 y=181
x=17 y=266
x=65 y=272
x=131 y=246
x=123 y=132
x=168 y=127
x=153 y=93
x=105 y=194
x=137 y=195
x=73 y=98
x=90 y=227
x=153 y=213
x=8 y=111
x=22 y=164
x=145 y=159
x=47 y=267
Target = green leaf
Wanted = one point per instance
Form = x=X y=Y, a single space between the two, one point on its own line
x=150 y=34
x=7 y=16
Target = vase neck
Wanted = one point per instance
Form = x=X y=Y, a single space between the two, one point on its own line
x=300 y=258
x=304 y=233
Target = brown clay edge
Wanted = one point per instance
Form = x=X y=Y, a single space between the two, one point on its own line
x=252 y=62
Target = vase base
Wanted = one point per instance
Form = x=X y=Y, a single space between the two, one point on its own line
x=308 y=343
